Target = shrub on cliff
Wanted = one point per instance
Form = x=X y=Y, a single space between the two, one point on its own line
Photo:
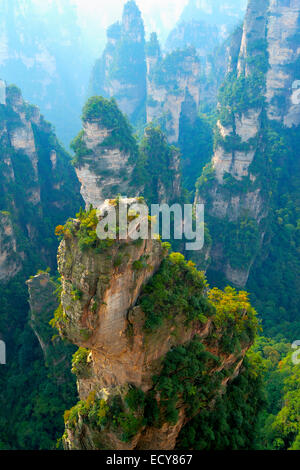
x=109 y=115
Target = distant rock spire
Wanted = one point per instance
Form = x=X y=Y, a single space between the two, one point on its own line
x=121 y=71
x=132 y=22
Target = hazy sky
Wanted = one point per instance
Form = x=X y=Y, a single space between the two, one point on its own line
x=157 y=14
x=160 y=16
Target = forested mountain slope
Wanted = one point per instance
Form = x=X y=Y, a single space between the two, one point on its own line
x=39 y=190
x=38 y=185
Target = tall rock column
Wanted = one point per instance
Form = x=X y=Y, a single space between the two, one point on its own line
x=121 y=72
x=151 y=338
x=109 y=161
x=105 y=152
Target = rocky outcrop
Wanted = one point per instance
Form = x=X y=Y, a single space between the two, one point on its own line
x=105 y=309
x=109 y=170
x=105 y=152
x=43 y=301
x=121 y=72
x=36 y=181
x=10 y=259
x=109 y=286
x=109 y=162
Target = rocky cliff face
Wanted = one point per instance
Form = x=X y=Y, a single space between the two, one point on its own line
x=10 y=259
x=43 y=303
x=170 y=82
x=36 y=181
x=129 y=335
x=121 y=72
x=257 y=93
x=105 y=152
x=277 y=23
x=109 y=169
x=284 y=59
